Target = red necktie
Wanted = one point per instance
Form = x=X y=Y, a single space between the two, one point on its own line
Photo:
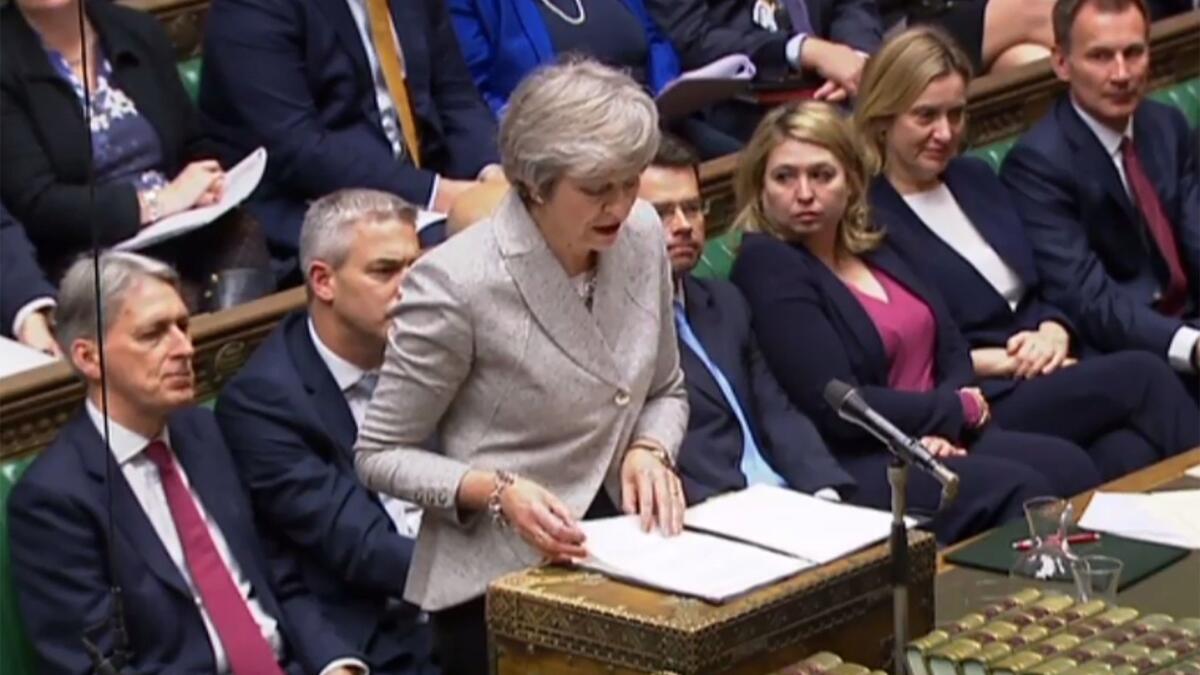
x=245 y=647
x=1174 y=298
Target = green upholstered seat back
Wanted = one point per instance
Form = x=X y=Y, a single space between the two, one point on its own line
x=16 y=656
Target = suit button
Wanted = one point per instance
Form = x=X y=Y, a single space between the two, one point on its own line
x=622 y=398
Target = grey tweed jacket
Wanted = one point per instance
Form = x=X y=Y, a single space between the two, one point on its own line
x=492 y=350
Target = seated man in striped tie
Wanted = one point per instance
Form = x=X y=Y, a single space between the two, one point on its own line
x=344 y=94
x=133 y=543
x=742 y=429
x=1106 y=185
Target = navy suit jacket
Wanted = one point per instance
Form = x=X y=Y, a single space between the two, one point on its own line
x=504 y=40
x=711 y=454
x=705 y=30
x=21 y=280
x=982 y=314
x=1097 y=259
x=58 y=515
x=812 y=329
x=292 y=76
x=292 y=435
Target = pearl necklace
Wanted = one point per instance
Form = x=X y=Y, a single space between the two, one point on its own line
x=574 y=21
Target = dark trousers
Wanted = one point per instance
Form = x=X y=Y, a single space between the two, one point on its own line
x=1128 y=410
x=460 y=637
x=1001 y=471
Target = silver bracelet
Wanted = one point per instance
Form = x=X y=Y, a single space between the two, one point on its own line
x=503 y=480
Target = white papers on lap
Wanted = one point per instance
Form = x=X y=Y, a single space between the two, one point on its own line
x=691 y=563
x=1163 y=517
x=791 y=522
x=1194 y=472
x=16 y=357
x=427 y=218
x=696 y=89
x=240 y=181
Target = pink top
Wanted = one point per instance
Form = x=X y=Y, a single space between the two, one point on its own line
x=908 y=330
x=909 y=333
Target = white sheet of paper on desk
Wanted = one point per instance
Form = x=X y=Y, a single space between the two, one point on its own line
x=240 y=182
x=691 y=563
x=1162 y=518
x=1194 y=472
x=16 y=357
x=791 y=522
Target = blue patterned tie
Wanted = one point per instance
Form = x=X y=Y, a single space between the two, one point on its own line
x=753 y=466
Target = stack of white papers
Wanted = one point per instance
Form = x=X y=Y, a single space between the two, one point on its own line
x=733 y=543
x=240 y=181
x=791 y=522
x=1163 y=517
x=690 y=563
x=16 y=357
x=1194 y=472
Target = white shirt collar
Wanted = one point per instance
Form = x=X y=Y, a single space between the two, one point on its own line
x=1108 y=138
x=346 y=374
x=126 y=444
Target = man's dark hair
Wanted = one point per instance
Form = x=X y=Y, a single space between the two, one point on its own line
x=674 y=153
x=1065 y=11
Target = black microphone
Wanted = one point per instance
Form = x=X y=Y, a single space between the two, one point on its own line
x=851 y=407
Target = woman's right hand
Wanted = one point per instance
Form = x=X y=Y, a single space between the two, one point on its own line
x=543 y=521
x=199 y=184
x=942 y=447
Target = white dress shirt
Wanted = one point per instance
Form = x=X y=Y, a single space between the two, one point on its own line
x=144 y=480
x=406 y=516
x=940 y=212
x=1183 y=343
x=27 y=310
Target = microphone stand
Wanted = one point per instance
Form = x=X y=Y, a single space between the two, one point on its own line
x=897 y=473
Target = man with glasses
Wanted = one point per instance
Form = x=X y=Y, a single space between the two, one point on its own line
x=742 y=429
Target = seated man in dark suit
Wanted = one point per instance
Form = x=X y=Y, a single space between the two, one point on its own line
x=26 y=297
x=1106 y=187
x=742 y=429
x=829 y=38
x=196 y=594
x=344 y=93
x=292 y=413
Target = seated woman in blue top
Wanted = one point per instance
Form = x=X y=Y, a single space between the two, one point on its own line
x=143 y=159
x=949 y=218
x=505 y=40
x=829 y=301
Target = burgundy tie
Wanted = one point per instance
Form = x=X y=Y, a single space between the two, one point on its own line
x=1174 y=298
x=245 y=647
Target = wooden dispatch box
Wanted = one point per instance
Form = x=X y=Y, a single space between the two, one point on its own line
x=558 y=620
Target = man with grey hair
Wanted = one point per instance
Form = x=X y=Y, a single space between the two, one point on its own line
x=292 y=413
x=180 y=583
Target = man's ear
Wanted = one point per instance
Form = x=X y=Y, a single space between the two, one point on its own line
x=321 y=280
x=85 y=355
x=1058 y=61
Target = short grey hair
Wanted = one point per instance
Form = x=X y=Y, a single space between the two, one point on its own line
x=577 y=118
x=325 y=234
x=76 y=315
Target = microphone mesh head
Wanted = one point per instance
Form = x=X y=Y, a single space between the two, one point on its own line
x=836 y=393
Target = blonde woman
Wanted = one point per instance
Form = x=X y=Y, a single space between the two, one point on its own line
x=829 y=301
x=950 y=217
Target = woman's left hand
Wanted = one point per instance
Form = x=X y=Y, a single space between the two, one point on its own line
x=652 y=490
x=1039 y=352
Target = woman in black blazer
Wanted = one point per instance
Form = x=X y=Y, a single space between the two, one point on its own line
x=949 y=218
x=147 y=155
x=820 y=285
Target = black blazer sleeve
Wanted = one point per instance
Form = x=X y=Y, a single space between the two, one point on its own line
x=700 y=39
x=805 y=349
x=21 y=280
x=856 y=23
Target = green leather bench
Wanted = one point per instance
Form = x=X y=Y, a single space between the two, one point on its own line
x=720 y=252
